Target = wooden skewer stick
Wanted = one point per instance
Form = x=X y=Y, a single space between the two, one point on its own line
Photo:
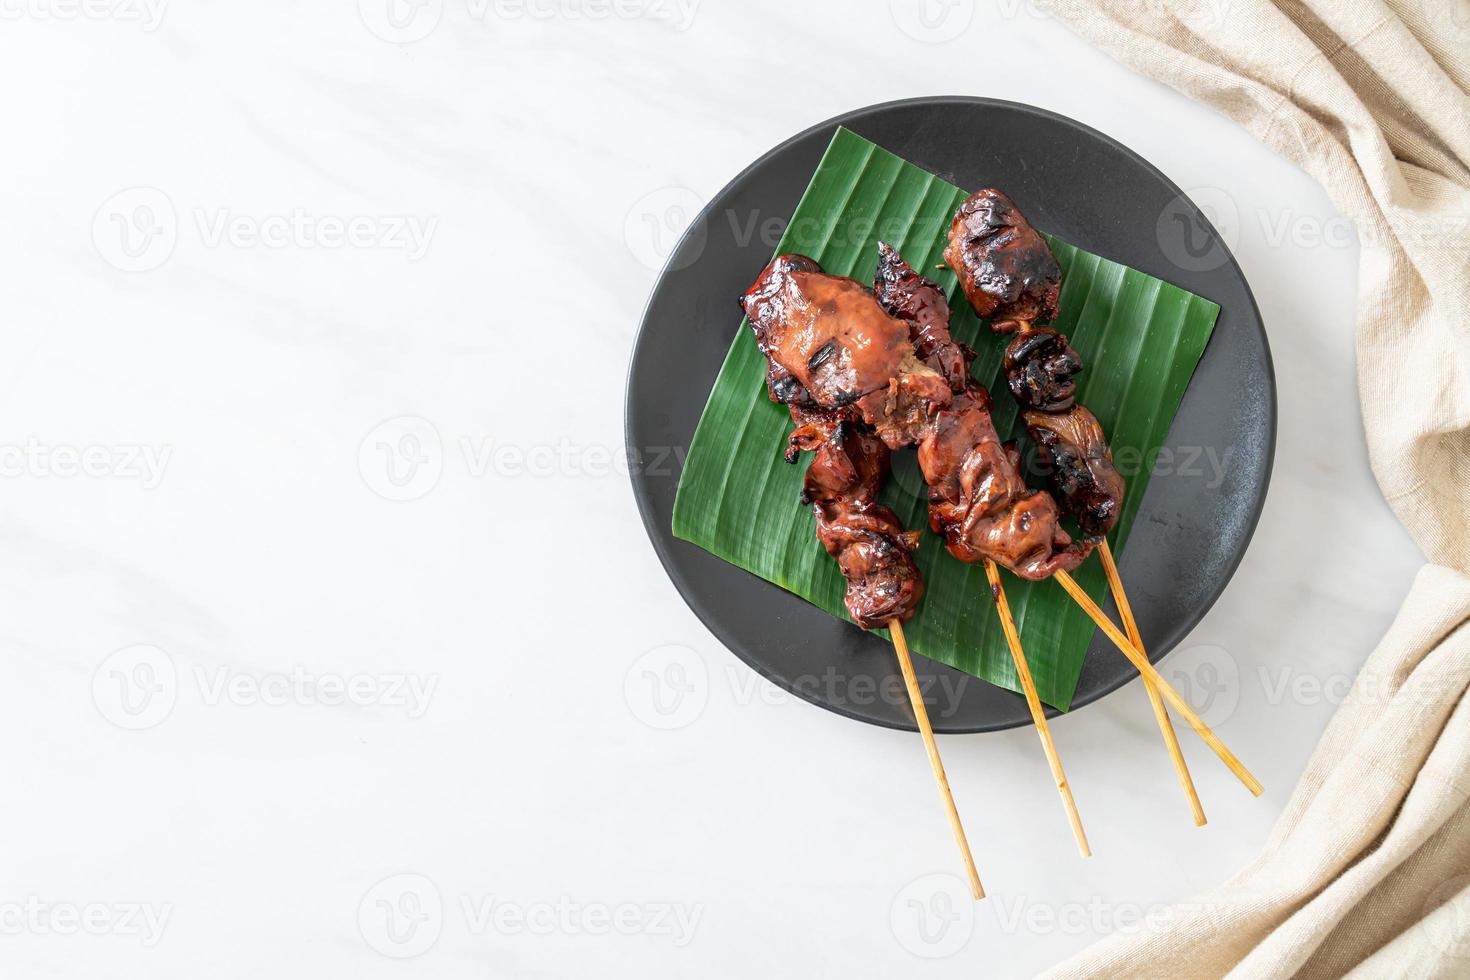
x=1161 y=713
x=1033 y=701
x=1149 y=673
x=921 y=715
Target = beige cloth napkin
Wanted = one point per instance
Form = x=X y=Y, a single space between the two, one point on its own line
x=1367 y=873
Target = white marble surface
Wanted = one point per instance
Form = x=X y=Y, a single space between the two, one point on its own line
x=242 y=691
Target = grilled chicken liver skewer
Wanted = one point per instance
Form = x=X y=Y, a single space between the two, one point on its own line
x=848 y=375
x=810 y=320
x=971 y=473
x=922 y=305
x=979 y=503
x=870 y=544
x=1009 y=274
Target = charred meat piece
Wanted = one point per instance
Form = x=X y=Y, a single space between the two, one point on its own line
x=826 y=332
x=901 y=412
x=1004 y=265
x=1039 y=365
x=873 y=551
x=979 y=501
x=1079 y=466
x=849 y=462
x=783 y=388
x=919 y=301
x=827 y=337
x=871 y=547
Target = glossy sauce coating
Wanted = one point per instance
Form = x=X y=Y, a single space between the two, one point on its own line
x=829 y=343
x=919 y=301
x=1004 y=265
x=1039 y=365
x=826 y=332
x=801 y=316
x=978 y=499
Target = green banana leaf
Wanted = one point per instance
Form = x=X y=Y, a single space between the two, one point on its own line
x=1139 y=337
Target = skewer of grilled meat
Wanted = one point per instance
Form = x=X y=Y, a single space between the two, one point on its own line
x=870 y=544
x=849 y=463
x=840 y=363
x=1009 y=274
x=979 y=501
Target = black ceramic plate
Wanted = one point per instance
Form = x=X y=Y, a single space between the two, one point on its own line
x=1074 y=182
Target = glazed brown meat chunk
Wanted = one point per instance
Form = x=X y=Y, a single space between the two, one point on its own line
x=1039 y=364
x=849 y=461
x=979 y=502
x=827 y=332
x=1079 y=467
x=829 y=342
x=1004 y=265
x=978 y=499
x=920 y=302
x=871 y=546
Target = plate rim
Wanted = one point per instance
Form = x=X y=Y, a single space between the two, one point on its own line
x=690 y=595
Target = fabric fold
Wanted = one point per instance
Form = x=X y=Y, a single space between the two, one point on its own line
x=1367 y=872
